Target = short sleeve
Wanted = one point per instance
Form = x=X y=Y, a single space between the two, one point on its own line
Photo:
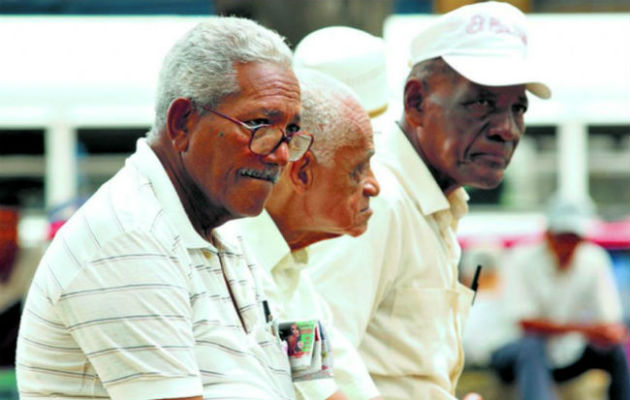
x=129 y=311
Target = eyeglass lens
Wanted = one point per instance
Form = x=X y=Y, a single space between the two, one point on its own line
x=266 y=139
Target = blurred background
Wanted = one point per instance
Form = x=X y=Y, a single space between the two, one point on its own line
x=77 y=80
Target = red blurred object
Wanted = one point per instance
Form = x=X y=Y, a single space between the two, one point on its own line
x=53 y=228
x=505 y=241
x=61 y=213
x=610 y=235
x=8 y=241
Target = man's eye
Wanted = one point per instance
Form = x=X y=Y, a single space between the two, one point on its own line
x=480 y=105
x=257 y=122
x=483 y=103
x=520 y=108
x=292 y=128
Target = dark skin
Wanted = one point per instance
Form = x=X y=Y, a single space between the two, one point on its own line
x=563 y=247
x=207 y=157
x=465 y=133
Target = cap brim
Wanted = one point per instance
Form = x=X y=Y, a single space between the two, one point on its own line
x=498 y=71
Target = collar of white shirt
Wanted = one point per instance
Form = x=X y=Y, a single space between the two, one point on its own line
x=266 y=242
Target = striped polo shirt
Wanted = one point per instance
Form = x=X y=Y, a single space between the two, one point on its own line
x=129 y=302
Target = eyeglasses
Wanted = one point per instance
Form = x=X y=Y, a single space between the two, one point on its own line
x=265 y=139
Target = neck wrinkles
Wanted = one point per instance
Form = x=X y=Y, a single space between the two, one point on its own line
x=203 y=215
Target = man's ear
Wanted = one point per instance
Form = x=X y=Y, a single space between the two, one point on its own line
x=180 y=119
x=413 y=96
x=301 y=172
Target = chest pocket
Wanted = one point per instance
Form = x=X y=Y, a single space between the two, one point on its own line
x=428 y=324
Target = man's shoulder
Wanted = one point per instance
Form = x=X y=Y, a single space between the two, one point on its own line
x=592 y=257
x=593 y=249
x=120 y=218
x=123 y=204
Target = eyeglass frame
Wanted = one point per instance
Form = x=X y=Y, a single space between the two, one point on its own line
x=252 y=130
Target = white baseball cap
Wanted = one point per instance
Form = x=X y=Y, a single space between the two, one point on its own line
x=352 y=56
x=484 y=42
x=569 y=216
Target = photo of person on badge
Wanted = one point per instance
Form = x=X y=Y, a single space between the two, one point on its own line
x=296 y=345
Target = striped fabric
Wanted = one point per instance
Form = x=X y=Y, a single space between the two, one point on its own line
x=130 y=303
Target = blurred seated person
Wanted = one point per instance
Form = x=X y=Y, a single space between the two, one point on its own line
x=562 y=293
x=323 y=195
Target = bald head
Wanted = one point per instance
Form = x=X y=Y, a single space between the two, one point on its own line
x=331 y=113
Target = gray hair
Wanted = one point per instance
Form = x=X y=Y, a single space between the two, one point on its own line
x=200 y=66
x=326 y=107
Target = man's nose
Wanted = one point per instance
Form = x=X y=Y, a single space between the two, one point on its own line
x=371 y=187
x=280 y=156
x=505 y=125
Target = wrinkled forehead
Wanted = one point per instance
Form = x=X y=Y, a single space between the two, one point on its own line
x=266 y=80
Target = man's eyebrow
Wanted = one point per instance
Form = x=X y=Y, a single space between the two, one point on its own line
x=276 y=114
x=271 y=113
x=368 y=155
x=486 y=93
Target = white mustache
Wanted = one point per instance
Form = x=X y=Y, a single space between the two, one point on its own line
x=268 y=175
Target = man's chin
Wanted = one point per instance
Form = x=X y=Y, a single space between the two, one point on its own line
x=357 y=231
x=488 y=180
x=248 y=210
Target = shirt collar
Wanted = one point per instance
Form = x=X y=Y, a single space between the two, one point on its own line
x=267 y=244
x=400 y=156
x=149 y=165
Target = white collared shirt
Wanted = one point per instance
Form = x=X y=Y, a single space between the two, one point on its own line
x=129 y=302
x=293 y=297
x=394 y=290
x=584 y=293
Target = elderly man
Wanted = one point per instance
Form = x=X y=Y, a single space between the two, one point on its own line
x=464 y=103
x=325 y=194
x=138 y=296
